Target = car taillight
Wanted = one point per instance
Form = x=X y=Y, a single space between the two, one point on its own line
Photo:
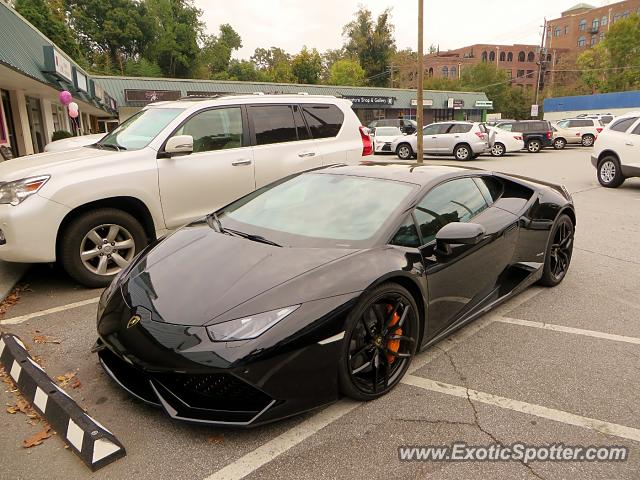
x=599 y=129
x=517 y=137
x=549 y=135
x=367 y=147
x=480 y=135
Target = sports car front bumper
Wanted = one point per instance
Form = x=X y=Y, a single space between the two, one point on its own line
x=246 y=383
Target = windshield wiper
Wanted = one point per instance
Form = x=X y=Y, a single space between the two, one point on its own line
x=252 y=237
x=214 y=222
x=111 y=146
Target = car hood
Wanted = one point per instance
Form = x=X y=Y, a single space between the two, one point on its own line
x=47 y=163
x=196 y=274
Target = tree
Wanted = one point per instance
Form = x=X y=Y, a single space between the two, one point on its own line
x=275 y=64
x=217 y=49
x=244 y=71
x=346 y=72
x=371 y=43
x=592 y=65
x=51 y=22
x=120 y=29
x=142 y=68
x=306 y=66
x=177 y=28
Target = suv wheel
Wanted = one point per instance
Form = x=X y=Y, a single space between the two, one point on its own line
x=404 y=151
x=609 y=172
x=463 y=152
x=588 y=140
x=498 y=150
x=98 y=244
x=534 y=146
x=559 y=143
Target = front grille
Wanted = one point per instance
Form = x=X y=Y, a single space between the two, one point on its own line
x=214 y=391
x=386 y=147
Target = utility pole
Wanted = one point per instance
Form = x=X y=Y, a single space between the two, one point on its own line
x=392 y=67
x=420 y=92
x=544 y=32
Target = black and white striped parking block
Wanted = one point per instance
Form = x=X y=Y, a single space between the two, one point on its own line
x=92 y=442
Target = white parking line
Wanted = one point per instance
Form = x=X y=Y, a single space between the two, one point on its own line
x=42 y=313
x=572 y=330
x=279 y=445
x=523 y=407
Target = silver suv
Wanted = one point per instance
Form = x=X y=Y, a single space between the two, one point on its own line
x=463 y=140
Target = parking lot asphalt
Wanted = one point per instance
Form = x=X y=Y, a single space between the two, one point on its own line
x=551 y=366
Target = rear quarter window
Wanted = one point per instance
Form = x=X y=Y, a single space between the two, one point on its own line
x=623 y=125
x=460 y=128
x=324 y=121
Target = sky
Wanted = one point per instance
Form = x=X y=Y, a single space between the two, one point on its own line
x=290 y=24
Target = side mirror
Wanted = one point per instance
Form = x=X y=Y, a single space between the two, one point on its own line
x=180 y=144
x=457 y=234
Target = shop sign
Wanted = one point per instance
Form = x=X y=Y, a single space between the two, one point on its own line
x=426 y=102
x=148 y=96
x=367 y=101
x=484 y=103
x=55 y=62
x=80 y=80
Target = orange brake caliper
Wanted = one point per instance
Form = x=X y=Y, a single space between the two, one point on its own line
x=393 y=345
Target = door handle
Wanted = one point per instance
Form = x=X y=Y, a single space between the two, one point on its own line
x=630 y=144
x=307 y=154
x=244 y=161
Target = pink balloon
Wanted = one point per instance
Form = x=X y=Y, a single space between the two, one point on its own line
x=73 y=106
x=65 y=97
x=73 y=113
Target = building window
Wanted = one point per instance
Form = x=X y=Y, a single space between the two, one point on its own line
x=531 y=57
x=582 y=42
x=492 y=56
x=59 y=117
x=509 y=57
x=625 y=14
x=594 y=39
x=484 y=56
x=595 y=25
x=520 y=74
x=604 y=20
x=503 y=56
x=616 y=17
x=509 y=73
x=529 y=73
x=549 y=32
x=557 y=32
x=445 y=72
x=566 y=30
x=453 y=72
x=549 y=57
x=430 y=72
x=521 y=57
x=582 y=26
x=601 y=36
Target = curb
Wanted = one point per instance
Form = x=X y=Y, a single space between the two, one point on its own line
x=93 y=443
x=10 y=274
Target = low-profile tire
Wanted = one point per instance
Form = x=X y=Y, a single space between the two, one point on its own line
x=559 y=251
x=534 y=146
x=378 y=346
x=588 y=140
x=463 y=152
x=559 y=143
x=405 y=152
x=609 y=172
x=98 y=244
x=498 y=150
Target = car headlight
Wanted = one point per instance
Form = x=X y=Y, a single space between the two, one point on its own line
x=248 y=327
x=15 y=192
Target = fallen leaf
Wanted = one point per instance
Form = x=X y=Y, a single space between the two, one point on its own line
x=12 y=298
x=40 y=339
x=65 y=379
x=76 y=384
x=216 y=439
x=38 y=438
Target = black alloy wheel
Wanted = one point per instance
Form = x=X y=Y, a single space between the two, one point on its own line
x=559 y=252
x=380 y=342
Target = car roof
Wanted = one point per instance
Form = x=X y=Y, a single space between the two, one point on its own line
x=204 y=102
x=421 y=175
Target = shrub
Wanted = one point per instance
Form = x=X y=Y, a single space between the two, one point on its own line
x=60 y=134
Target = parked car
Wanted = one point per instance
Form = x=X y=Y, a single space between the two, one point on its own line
x=93 y=209
x=616 y=155
x=605 y=118
x=382 y=138
x=271 y=307
x=407 y=126
x=503 y=141
x=537 y=134
x=576 y=131
x=463 y=140
x=73 y=142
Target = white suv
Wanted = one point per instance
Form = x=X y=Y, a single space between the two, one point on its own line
x=463 y=140
x=94 y=208
x=581 y=131
x=617 y=152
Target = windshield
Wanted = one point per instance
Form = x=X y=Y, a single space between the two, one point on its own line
x=137 y=131
x=314 y=210
x=387 y=131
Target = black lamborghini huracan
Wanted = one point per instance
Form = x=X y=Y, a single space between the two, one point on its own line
x=324 y=283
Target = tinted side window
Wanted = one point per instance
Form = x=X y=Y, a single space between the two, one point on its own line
x=455 y=201
x=303 y=133
x=491 y=188
x=506 y=126
x=407 y=235
x=636 y=131
x=624 y=124
x=430 y=129
x=324 y=121
x=460 y=128
x=273 y=124
x=217 y=129
x=443 y=128
x=519 y=127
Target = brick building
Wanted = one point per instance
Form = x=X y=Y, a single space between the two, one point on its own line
x=584 y=26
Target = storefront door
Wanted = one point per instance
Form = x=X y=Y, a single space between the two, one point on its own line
x=36 y=126
x=8 y=121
